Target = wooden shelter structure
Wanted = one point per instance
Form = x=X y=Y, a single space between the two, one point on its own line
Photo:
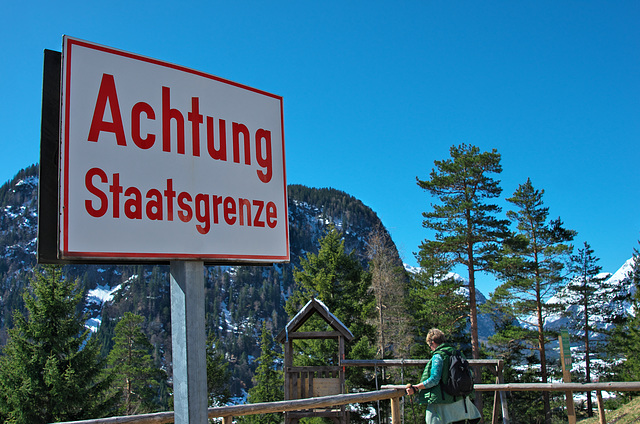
x=314 y=381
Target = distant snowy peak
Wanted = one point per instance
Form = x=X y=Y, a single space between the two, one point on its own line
x=416 y=270
x=617 y=282
x=411 y=269
x=623 y=272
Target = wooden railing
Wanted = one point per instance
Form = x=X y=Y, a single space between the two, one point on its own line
x=568 y=388
x=495 y=366
x=393 y=392
x=228 y=412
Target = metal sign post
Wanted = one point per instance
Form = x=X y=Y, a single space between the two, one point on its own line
x=188 y=341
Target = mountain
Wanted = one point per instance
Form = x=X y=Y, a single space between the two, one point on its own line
x=616 y=288
x=238 y=298
x=18 y=242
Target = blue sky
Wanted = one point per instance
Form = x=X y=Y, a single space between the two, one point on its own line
x=374 y=92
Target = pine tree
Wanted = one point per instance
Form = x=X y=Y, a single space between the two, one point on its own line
x=467 y=230
x=269 y=382
x=135 y=376
x=218 y=374
x=339 y=280
x=591 y=293
x=51 y=369
x=533 y=267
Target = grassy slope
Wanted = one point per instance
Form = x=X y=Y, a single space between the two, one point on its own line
x=627 y=414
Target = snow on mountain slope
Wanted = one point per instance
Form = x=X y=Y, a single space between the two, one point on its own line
x=617 y=285
x=614 y=288
x=96 y=298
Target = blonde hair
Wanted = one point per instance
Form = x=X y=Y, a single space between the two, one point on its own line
x=436 y=336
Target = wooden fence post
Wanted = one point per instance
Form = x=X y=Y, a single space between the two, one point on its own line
x=565 y=359
x=396 y=416
x=600 y=407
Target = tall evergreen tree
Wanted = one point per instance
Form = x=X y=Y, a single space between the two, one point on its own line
x=339 y=280
x=135 y=376
x=590 y=294
x=269 y=381
x=467 y=230
x=533 y=267
x=51 y=368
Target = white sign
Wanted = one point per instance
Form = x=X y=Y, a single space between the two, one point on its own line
x=161 y=162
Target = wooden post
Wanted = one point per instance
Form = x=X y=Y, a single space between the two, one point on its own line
x=189 y=342
x=342 y=376
x=565 y=358
x=601 y=416
x=341 y=350
x=503 y=398
x=495 y=416
x=503 y=401
x=396 y=417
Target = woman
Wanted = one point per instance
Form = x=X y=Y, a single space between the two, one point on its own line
x=442 y=407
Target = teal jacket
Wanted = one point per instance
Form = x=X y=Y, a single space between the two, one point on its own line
x=432 y=375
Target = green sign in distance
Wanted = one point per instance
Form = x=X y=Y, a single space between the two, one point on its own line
x=566 y=346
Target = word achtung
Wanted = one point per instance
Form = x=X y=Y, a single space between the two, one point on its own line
x=242 y=138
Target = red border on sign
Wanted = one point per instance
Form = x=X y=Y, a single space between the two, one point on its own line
x=67 y=49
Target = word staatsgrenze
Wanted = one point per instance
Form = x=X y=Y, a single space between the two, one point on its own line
x=157 y=205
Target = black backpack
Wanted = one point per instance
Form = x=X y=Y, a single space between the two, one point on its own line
x=460 y=381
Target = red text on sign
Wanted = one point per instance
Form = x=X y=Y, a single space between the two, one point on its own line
x=241 y=136
x=163 y=204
